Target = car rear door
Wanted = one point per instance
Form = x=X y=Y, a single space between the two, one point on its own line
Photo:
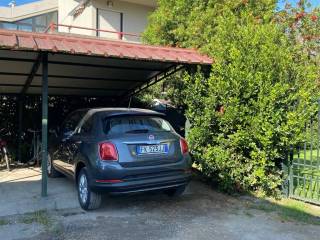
x=63 y=157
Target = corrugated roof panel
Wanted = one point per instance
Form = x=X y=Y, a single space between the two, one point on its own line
x=43 y=43
x=27 y=42
x=121 y=49
x=9 y=40
x=84 y=45
x=106 y=50
x=75 y=46
x=136 y=51
x=59 y=44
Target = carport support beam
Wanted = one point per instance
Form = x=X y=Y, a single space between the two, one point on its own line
x=44 y=138
x=20 y=113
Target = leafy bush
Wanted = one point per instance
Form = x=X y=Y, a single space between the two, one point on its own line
x=256 y=100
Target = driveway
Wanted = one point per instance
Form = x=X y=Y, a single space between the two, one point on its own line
x=201 y=213
x=20 y=192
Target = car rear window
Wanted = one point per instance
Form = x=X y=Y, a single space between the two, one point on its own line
x=136 y=124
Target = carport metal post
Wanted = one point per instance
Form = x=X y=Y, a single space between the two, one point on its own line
x=44 y=138
x=20 y=113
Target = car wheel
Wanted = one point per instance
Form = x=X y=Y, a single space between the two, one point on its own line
x=88 y=199
x=51 y=171
x=176 y=192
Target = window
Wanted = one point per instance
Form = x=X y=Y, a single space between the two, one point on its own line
x=40 y=29
x=9 y=26
x=109 y=21
x=25 y=28
x=52 y=17
x=41 y=20
x=25 y=21
x=136 y=124
x=87 y=126
x=34 y=24
x=72 y=121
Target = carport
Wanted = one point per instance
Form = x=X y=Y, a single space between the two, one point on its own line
x=72 y=65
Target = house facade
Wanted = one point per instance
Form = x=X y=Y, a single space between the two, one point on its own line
x=84 y=17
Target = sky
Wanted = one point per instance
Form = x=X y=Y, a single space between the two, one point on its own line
x=281 y=2
x=314 y=3
x=19 y=2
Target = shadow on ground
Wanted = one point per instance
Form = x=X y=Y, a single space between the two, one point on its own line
x=201 y=213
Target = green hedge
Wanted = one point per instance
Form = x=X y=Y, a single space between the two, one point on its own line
x=253 y=106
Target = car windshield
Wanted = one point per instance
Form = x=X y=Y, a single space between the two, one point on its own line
x=136 y=124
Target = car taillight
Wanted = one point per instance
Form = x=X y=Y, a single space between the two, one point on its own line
x=108 y=151
x=184 y=146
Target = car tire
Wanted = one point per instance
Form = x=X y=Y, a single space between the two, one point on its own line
x=51 y=171
x=88 y=199
x=176 y=192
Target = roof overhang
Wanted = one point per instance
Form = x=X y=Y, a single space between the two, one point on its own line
x=86 y=66
x=149 y=3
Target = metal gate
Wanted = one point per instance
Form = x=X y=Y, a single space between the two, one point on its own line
x=304 y=164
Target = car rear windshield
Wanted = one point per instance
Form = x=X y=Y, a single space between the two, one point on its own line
x=136 y=124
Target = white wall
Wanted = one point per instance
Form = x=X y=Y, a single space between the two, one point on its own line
x=135 y=16
x=86 y=19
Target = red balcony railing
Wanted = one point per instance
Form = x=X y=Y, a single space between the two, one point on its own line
x=54 y=27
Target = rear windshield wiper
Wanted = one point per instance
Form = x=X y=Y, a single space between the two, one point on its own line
x=138 y=131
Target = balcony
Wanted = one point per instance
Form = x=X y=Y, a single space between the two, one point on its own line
x=101 y=33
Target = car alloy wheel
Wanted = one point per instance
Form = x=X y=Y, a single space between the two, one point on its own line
x=88 y=199
x=83 y=188
x=49 y=165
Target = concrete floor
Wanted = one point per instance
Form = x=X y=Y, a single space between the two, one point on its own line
x=201 y=213
x=20 y=192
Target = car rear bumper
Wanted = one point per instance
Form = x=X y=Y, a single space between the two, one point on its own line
x=144 y=185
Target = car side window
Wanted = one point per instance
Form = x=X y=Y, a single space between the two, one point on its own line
x=72 y=122
x=87 y=126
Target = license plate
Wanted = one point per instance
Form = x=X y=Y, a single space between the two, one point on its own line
x=153 y=149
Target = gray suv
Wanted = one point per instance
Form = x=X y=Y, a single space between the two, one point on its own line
x=119 y=151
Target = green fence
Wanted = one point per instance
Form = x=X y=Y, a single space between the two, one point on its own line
x=304 y=164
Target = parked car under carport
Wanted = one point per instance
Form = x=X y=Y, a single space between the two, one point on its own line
x=119 y=151
x=64 y=65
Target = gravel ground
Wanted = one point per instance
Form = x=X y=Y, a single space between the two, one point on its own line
x=200 y=213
